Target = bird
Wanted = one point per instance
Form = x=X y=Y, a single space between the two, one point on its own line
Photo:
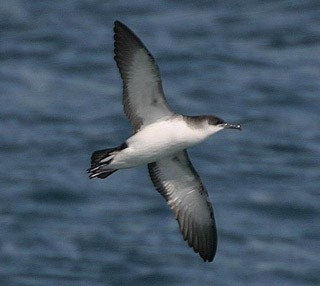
x=159 y=140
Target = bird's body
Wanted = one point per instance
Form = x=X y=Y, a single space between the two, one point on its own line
x=160 y=140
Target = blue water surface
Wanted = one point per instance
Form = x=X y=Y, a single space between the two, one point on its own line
x=253 y=62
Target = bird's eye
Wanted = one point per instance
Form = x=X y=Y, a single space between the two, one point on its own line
x=216 y=121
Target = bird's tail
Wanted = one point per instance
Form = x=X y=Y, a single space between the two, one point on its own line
x=101 y=159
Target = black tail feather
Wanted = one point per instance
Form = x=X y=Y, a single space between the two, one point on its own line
x=100 y=169
x=101 y=174
x=98 y=155
x=106 y=174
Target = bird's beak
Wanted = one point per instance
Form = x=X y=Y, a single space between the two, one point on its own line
x=232 y=126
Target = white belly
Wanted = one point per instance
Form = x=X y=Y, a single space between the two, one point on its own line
x=158 y=140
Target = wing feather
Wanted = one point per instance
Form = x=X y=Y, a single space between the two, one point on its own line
x=143 y=98
x=176 y=179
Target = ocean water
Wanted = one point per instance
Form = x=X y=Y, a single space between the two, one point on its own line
x=252 y=62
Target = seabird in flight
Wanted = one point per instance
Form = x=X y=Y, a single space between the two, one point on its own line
x=160 y=139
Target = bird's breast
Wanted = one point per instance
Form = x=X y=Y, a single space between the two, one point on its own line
x=167 y=136
x=156 y=141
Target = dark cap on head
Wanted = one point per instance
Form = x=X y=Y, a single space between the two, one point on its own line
x=213 y=120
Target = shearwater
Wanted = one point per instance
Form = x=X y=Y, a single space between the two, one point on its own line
x=160 y=139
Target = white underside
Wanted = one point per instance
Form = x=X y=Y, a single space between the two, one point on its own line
x=159 y=140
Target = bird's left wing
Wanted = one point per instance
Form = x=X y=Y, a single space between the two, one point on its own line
x=143 y=99
x=177 y=180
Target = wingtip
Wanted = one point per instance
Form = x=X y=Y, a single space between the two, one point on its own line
x=208 y=258
x=118 y=23
x=207 y=254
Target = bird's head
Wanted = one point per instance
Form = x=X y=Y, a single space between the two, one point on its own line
x=219 y=124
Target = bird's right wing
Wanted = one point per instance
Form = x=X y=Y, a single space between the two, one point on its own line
x=143 y=99
x=176 y=179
